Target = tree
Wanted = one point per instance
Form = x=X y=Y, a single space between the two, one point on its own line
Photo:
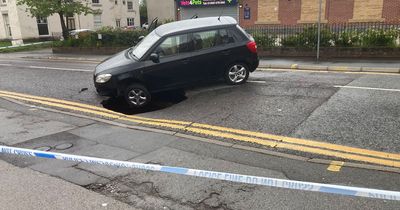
x=64 y=8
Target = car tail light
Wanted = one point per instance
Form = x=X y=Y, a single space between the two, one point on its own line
x=252 y=46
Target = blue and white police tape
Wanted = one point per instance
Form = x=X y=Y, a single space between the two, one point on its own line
x=239 y=178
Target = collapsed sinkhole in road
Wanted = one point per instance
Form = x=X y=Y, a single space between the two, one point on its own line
x=159 y=101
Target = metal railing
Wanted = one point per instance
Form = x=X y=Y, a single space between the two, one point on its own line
x=328 y=31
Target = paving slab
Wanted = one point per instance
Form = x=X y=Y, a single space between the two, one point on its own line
x=75 y=175
x=95 y=131
x=51 y=141
x=26 y=189
x=18 y=127
x=108 y=152
x=133 y=140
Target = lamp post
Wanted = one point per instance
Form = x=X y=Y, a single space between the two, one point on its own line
x=319 y=29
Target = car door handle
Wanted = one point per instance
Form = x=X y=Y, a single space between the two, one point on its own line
x=226 y=52
x=185 y=61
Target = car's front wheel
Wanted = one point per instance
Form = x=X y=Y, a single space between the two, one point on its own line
x=137 y=96
x=237 y=73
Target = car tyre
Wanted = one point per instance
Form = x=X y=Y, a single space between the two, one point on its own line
x=137 y=96
x=236 y=74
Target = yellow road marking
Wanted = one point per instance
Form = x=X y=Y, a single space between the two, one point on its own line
x=335 y=166
x=303 y=142
x=91 y=107
x=224 y=129
x=339 y=68
x=264 y=142
x=108 y=115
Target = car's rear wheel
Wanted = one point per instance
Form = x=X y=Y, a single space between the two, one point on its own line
x=237 y=73
x=137 y=96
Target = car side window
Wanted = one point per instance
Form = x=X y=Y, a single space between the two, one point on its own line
x=205 y=39
x=208 y=39
x=174 y=45
x=226 y=37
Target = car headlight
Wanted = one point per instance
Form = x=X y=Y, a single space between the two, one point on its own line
x=103 y=78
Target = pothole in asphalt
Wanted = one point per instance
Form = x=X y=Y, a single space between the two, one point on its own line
x=160 y=101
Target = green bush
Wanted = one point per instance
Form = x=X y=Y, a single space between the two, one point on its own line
x=291 y=41
x=379 y=38
x=265 y=41
x=347 y=39
x=109 y=38
x=308 y=38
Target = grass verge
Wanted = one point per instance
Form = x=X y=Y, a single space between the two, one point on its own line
x=26 y=48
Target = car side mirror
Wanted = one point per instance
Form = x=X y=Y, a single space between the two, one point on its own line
x=155 y=57
x=140 y=38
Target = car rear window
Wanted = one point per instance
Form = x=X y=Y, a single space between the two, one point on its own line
x=244 y=33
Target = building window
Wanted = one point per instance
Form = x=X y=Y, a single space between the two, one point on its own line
x=7 y=25
x=71 y=22
x=118 y=23
x=4 y=1
x=42 y=26
x=116 y=2
x=130 y=6
x=123 y=2
x=130 y=21
x=97 y=21
x=96 y=1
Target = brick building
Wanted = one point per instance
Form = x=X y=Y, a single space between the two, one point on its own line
x=291 y=12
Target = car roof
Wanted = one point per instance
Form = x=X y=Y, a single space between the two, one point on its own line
x=191 y=24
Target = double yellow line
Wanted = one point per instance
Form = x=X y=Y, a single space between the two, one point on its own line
x=270 y=140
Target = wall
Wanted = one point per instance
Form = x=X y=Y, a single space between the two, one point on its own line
x=11 y=9
x=163 y=9
x=391 y=11
x=252 y=4
x=289 y=12
x=339 y=11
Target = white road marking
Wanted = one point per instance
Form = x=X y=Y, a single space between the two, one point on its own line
x=368 y=88
x=253 y=81
x=46 y=67
x=61 y=69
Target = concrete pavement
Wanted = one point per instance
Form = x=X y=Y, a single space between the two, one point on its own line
x=22 y=188
x=341 y=65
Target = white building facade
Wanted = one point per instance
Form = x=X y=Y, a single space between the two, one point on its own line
x=161 y=9
x=17 y=24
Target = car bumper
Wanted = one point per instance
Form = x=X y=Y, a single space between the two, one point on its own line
x=106 y=89
x=253 y=63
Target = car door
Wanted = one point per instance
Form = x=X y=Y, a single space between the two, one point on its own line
x=230 y=50
x=173 y=68
x=206 y=57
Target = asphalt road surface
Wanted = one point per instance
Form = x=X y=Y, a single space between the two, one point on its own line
x=331 y=107
x=360 y=110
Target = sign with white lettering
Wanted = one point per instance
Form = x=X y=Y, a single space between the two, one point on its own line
x=191 y=3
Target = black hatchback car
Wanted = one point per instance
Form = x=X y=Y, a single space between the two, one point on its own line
x=177 y=55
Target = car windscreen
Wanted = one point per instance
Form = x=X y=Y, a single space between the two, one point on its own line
x=141 y=48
